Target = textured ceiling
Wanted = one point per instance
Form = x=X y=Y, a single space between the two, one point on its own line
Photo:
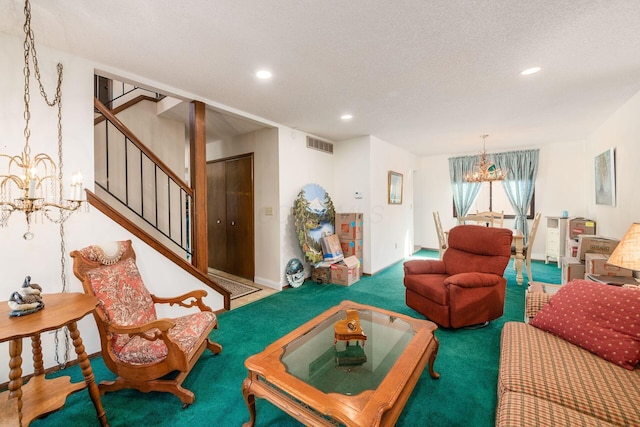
x=428 y=76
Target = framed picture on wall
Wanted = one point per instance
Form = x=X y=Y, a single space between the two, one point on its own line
x=395 y=188
x=605 y=178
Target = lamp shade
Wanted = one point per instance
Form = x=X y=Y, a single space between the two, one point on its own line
x=627 y=253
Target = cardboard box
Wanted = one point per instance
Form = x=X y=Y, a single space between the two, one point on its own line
x=349 y=226
x=578 y=226
x=572 y=268
x=595 y=244
x=597 y=264
x=321 y=274
x=612 y=280
x=351 y=247
x=331 y=249
x=571 y=250
x=346 y=272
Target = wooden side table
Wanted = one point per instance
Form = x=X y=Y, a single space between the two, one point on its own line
x=21 y=405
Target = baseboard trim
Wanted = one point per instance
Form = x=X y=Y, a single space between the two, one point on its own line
x=268 y=283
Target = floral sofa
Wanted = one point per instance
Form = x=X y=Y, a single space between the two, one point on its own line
x=575 y=363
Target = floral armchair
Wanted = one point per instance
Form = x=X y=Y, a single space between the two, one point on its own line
x=137 y=346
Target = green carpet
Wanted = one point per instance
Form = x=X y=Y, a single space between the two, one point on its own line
x=465 y=394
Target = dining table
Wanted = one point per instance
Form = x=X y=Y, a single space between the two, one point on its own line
x=517 y=242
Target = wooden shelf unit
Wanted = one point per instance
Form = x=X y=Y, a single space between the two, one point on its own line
x=556 y=233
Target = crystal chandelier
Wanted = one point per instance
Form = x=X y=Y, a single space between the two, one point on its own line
x=33 y=183
x=485 y=170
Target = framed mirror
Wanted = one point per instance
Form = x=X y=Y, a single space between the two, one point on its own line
x=395 y=188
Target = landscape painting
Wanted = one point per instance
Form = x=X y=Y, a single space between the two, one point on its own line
x=605 y=178
x=314 y=216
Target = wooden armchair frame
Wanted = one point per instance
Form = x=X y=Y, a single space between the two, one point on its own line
x=151 y=376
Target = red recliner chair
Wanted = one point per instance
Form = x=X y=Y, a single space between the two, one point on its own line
x=467 y=286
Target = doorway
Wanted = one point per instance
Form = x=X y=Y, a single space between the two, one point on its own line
x=230 y=225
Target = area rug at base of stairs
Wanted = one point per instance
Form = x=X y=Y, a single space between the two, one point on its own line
x=236 y=288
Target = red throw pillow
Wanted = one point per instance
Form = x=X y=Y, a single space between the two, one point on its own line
x=602 y=319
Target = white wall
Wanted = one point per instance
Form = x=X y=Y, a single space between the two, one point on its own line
x=363 y=164
x=159 y=133
x=360 y=164
x=352 y=166
x=622 y=132
x=432 y=192
x=267 y=194
x=392 y=234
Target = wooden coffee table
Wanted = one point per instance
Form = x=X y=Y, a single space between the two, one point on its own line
x=320 y=384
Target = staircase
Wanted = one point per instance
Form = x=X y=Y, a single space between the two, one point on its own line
x=139 y=191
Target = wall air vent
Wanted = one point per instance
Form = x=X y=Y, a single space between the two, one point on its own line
x=319 y=145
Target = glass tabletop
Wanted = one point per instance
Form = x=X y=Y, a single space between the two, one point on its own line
x=348 y=367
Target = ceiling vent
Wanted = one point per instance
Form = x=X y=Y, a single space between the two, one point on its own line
x=319 y=145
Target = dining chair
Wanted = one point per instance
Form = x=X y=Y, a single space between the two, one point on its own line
x=467 y=219
x=494 y=219
x=526 y=253
x=442 y=239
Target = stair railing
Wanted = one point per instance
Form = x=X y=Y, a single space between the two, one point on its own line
x=132 y=174
x=121 y=90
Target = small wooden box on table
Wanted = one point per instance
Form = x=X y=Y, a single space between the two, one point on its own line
x=40 y=396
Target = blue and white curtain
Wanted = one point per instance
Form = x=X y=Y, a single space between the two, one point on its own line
x=464 y=193
x=521 y=168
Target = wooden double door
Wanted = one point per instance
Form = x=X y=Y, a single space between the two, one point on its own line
x=230 y=215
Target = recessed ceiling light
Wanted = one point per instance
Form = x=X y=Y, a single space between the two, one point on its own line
x=346 y=117
x=531 y=70
x=264 y=74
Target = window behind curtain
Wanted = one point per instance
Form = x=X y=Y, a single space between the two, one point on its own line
x=498 y=202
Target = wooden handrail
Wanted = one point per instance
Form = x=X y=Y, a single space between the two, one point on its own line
x=126 y=105
x=120 y=219
x=134 y=139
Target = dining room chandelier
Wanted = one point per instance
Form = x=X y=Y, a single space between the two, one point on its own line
x=485 y=170
x=32 y=184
